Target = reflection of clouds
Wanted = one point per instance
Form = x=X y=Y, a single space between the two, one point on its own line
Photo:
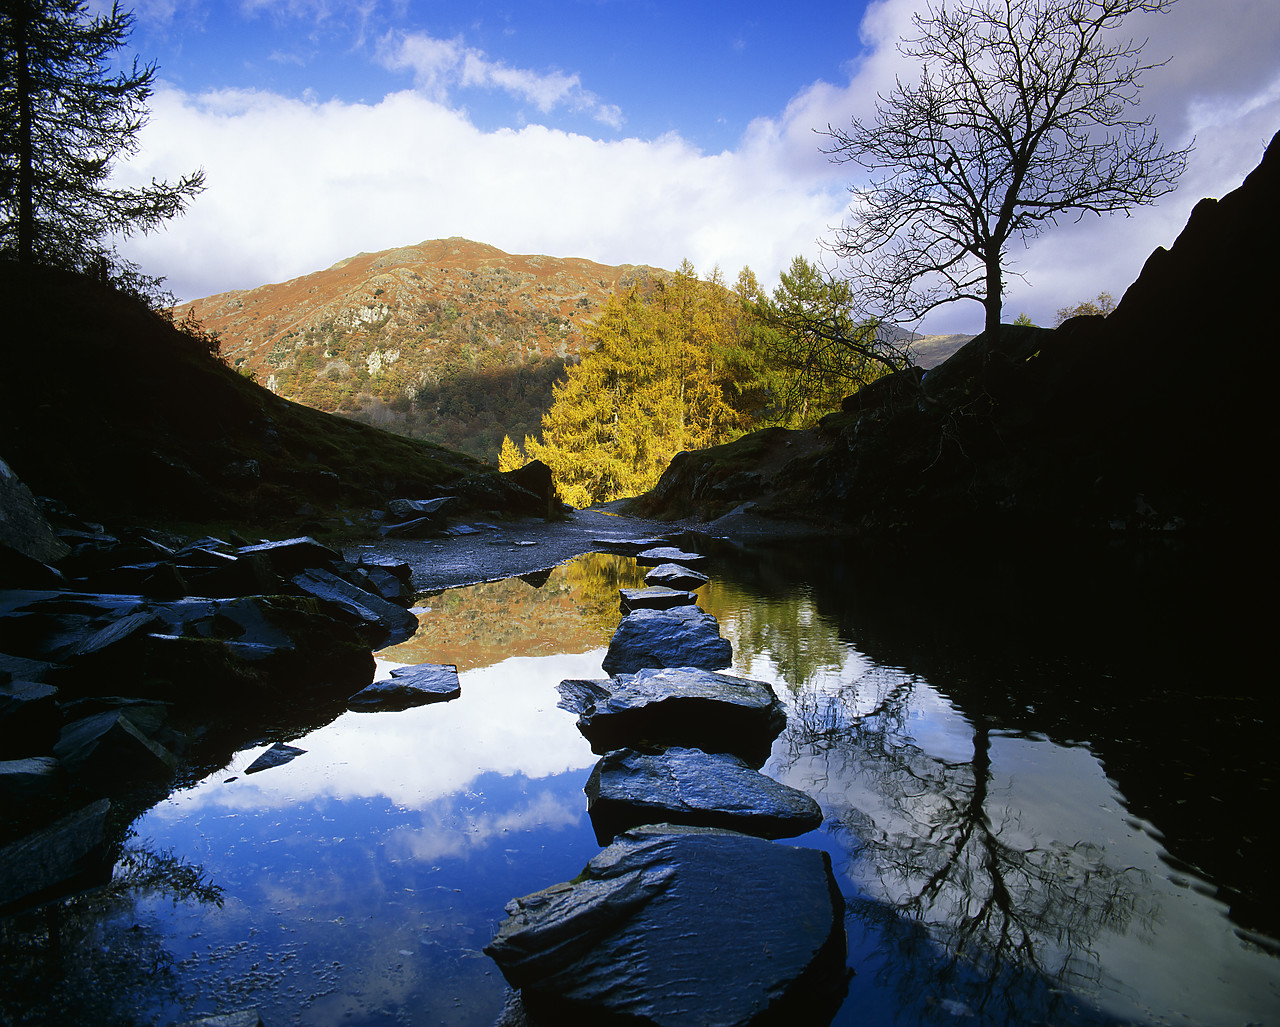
x=505 y=722
x=450 y=833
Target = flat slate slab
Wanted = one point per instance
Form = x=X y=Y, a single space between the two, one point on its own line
x=408 y=687
x=277 y=756
x=684 y=636
x=672 y=575
x=681 y=926
x=669 y=554
x=688 y=786
x=680 y=706
x=655 y=598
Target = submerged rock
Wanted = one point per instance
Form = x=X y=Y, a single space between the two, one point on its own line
x=672 y=575
x=688 y=786
x=408 y=687
x=681 y=637
x=681 y=706
x=656 y=598
x=681 y=926
x=277 y=756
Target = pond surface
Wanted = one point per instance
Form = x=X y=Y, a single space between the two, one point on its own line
x=1038 y=811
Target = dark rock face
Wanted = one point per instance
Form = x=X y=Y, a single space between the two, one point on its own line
x=677 y=707
x=681 y=926
x=681 y=637
x=409 y=687
x=1101 y=427
x=673 y=575
x=657 y=597
x=688 y=786
x=22 y=524
x=277 y=756
x=67 y=854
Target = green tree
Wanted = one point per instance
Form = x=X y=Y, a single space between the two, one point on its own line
x=1022 y=114
x=65 y=118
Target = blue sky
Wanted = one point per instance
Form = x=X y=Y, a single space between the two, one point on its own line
x=625 y=131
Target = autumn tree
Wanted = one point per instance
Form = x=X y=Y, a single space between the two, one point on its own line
x=1102 y=305
x=64 y=117
x=1022 y=115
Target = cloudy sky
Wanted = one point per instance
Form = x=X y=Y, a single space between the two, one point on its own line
x=624 y=131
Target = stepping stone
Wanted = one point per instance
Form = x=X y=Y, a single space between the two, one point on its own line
x=688 y=786
x=656 y=598
x=672 y=575
x=670 y=554
x=680 y=706
x=684 y=636
x=681 y=926
x=408 y=687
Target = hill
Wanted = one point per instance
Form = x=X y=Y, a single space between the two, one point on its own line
x=450 y=340
x=110 y=409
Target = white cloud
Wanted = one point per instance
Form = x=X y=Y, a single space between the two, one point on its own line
x=295 y=185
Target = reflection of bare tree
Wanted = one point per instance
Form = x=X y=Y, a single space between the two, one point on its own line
x=90 y=957
x=976 y=916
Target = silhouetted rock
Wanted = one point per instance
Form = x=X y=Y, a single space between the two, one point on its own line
x=106 y=747
x=680 y=706
x=29 y=718
x=22 y=524
x=681 y=926
x=407 y=687
x=57 y=860
x=688 y=786
x=681 y=637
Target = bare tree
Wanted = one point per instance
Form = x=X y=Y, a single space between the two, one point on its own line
x=1023 y=114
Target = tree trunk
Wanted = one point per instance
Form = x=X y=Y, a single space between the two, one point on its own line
x=995 y=290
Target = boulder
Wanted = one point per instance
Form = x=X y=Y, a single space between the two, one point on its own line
x=656 y=598
x=416 y=509
x=681 y=706
x=681 y=637
x=688 y=786
x=669 y=554
x=22 y=524
x=108 y=747
x=535 y=477
x=407 y=687
x=277 y=756
x=681 y=926
x=58 y=860
x=26 y=783
x=292 y=555
x=382 y=622
x=672 y=575
x=29 y=718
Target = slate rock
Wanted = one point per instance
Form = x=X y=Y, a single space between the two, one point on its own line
x=29 y=718
x=384 y=622
x=62 y=858
x=688 y=786
x=292 y=555
x=680 y=706
x=655 y=598
x=669 y=554
x=277 y=756
x=672 y=575
x=678 y=926
x=408 y=687
x=25 y=527
x=681 y=637
x=28 y=782
x=413 y=509
x=627 y=546
x=416 y=528
x=106 y=747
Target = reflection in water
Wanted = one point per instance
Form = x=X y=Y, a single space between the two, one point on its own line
x=992 y=869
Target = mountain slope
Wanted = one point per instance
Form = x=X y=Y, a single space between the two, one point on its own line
x=418 y=337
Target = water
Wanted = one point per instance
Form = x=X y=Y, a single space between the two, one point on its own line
x=1039 y=810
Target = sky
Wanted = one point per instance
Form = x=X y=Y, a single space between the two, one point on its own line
x=623 y=131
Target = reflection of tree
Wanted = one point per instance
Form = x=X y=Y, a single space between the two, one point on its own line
x=976 y=915
x=91 y=958
x=786 y=627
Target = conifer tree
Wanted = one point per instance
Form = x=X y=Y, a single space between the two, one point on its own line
x=64 y=117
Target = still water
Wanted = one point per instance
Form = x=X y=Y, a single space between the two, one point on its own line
x=1038 y=811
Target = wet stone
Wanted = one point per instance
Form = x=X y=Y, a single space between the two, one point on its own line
x=408 y=687
x=277 y=756
x=684 y=636
x=672 y=575
x=681 y=926
x=688 y=786
x=656 y=598
x=684 y=706
x=670 y=554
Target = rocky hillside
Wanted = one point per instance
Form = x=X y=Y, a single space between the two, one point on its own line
x=420 y=339
x=111 y=410
x=1139 y=422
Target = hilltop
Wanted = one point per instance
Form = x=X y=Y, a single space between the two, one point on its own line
x=425 y=340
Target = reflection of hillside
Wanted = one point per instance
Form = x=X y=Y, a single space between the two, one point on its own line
x=574 y=611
